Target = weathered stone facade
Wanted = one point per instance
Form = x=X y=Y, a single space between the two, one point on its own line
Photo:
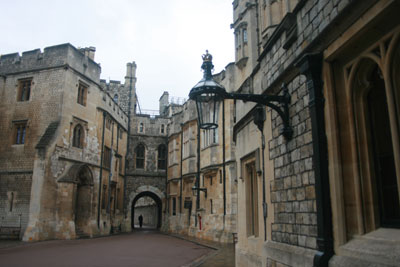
x=213 y=215
x=317 y=190
x=74 y=172
x=63 y=146
x=146 y=173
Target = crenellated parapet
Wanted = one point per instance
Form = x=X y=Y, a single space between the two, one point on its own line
x=59 y=56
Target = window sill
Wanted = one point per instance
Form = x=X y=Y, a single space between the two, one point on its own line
x=241 y=63
x=209 y=146
x=188 y=157
x=173 y=164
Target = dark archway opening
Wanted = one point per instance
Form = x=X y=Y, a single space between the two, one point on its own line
x=383 y=155
x=158 y=205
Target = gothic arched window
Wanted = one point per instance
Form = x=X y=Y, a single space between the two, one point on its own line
x=77 y=140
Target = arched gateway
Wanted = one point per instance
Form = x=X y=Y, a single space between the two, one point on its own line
x=80 y=177
x=158 y=202
x=83 y=200
x=146 y=191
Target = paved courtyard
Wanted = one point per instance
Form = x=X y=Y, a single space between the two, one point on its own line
x=140 y=248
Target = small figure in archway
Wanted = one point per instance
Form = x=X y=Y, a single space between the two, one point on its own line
x=140 y=220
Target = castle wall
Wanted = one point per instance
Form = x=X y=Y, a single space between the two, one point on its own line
x=47 y=154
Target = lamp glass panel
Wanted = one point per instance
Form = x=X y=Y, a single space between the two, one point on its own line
x=208 y=109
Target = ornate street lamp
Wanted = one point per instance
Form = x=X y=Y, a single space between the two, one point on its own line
x=208 y=94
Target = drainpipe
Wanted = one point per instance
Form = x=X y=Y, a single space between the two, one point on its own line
x=118 y=133
x=259 y=119
x=258 y=29
x=101 y=171
x=166 y=208
x=198 y=169
x=181 y=184
x=311 y=66
x=223 y=155
x=263 y=183
x=127 y=142
x=111 y=173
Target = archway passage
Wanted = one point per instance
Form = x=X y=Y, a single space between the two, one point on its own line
x=158 y=206
x=83 y=200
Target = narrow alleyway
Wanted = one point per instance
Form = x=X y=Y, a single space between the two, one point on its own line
x=140 y=248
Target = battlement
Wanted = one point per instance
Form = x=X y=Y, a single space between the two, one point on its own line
x=51 y=57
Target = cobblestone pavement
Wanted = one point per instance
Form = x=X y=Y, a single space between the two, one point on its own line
x=141 y=248
x=223 y=256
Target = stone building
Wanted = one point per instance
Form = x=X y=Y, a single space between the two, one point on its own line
x=145 y=173
x=146 y=165
x=63 y=142
x=212 y=216
x=75 y=161
x=329 y=193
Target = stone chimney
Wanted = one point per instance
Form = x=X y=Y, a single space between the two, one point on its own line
x=130 y=73
x=89 y=51
x=164 y=102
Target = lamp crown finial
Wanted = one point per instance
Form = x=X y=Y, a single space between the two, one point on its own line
x=207 y=57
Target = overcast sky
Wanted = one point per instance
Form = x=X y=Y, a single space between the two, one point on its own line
x=165 y=38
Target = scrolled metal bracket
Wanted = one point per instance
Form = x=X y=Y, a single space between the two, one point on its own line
x=281 y=107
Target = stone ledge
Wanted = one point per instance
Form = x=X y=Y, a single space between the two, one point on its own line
x=289 y=255
x=378 y=248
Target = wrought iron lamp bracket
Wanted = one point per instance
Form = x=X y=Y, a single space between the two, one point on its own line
x=282 y=106
x=198 y=189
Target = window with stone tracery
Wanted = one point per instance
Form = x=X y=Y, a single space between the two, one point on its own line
x=366 y=88
x=78 y=136
x=20 y=132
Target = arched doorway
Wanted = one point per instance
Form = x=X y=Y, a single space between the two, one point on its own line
x=158 y=205
x=83 y=200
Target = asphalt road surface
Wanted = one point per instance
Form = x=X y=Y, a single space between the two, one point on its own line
x=140 y=248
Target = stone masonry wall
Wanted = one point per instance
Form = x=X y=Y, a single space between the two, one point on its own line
x=20 y=185
x=116 y=88
x=312 y=18
x=292 y=190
